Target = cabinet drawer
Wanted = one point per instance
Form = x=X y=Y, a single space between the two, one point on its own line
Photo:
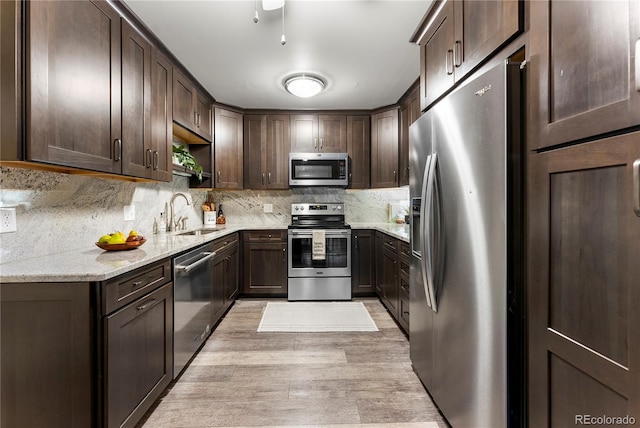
x=390 y=243
x=265 y=236
x=123 y=289
x=404 y=268
x=222 y=244
x=405 y=250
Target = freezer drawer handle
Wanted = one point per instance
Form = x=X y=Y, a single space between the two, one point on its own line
x=208 y=256
x=636 y=187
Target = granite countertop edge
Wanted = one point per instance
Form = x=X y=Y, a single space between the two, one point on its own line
x=91 y=264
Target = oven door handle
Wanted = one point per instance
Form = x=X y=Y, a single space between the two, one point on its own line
x=309 y=232
x=186 y=268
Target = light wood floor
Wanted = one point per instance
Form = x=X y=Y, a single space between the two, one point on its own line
x=245 y=378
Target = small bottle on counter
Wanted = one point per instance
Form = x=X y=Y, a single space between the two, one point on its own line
x=162 y=225
x=155 y=226
x=221 y=219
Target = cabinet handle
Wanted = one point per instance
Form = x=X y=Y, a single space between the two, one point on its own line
x=117 y=150
x=195 y=118
x=449 y=62
x=321 y=142
x=263 y=178
x=149 y=158
x=269 y=178
x=458 y=54
x=394 y=175
x=155 y=160
x=637 y=65
x=355 y=241
x=146 y=305
x=315 y=143
x=219 y=175
x=636 y=187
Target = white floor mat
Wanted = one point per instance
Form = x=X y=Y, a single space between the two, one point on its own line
x=312 y=317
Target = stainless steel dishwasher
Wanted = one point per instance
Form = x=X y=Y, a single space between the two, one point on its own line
x=193 y=293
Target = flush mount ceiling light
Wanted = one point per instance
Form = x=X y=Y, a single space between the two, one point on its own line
x=304 y=85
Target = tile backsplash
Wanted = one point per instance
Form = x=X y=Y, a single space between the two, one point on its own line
x=59 y=212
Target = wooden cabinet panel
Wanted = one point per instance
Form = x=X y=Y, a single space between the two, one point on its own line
x=409 y=112
x=46 y=356
x=359 y=150
x=228 y=149
x=304 y=133
x=204 y=116
x=332 y=132
x=265 y=263
x=136 y=103
x=74 y=87
x=138 y=356
x=456 y=37
x=191 y=110
x=389 y=280
x=363 y=273
x=266 y=151
x=584 y=79
x=161 y=117
x=384 y=149
x=582 y=276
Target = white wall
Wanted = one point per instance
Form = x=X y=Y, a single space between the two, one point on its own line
x=60 y=212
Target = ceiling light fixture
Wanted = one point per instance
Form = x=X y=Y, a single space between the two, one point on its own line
x=304 y=85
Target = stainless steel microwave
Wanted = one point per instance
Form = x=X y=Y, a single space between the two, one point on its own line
x=319 y=169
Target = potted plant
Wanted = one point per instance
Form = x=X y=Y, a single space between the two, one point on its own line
x=187 y=160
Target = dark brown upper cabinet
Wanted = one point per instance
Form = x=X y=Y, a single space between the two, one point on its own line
x=228 y=149
x=325 y=133
x=584 y=79
x=191 y=111
x=384 y=149
x=456 y=36
x=359 y=150
x=266 y=151
x=409 y=112
x=160 y=152
x=73 y=79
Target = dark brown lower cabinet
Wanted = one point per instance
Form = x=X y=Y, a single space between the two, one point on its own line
x=225 y=273
x=363 y=273
x=584 y=283
x=138 y=357
x=265 y=263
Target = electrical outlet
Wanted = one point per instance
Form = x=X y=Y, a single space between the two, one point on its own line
x=268 y=208
x=129 y=212
x=8 y=220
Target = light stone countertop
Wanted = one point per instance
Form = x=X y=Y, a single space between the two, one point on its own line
x=90 y=264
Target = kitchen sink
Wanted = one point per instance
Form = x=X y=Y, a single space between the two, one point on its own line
x=197 y=232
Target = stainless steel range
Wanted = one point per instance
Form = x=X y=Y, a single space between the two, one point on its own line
x=319 y=253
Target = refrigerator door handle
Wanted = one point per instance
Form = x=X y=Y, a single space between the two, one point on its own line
x=432 y=234
x=423 y=230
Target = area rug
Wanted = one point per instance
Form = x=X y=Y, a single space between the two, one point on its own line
x=314 y=317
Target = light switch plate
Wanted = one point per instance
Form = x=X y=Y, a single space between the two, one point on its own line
x=8 y=221
x=268 y=208
x=129 y=212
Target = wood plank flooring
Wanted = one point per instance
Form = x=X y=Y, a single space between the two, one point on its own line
x=242 y=378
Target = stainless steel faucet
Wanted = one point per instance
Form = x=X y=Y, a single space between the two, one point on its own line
x=172 y=223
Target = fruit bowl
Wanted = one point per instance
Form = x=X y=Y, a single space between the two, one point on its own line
x=122 y=247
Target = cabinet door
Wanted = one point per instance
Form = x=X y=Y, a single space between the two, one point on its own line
x=481 y=28
x=304 y=133
x=277 y=152
x=584 y=78
x=228 y=149
x=161 y=116
x=255 y=143
x=583 y=270
x=184 y=101
x=359 y=150
x=136 y=103
x=384 y=149
x=204 y=127
x=362 y=263
x=332 y=133
x=403 y=153
x=73 y=97
x=265 y=268
x=232 y=272
x=138 y=356
x=436 y=56
x=389 y=280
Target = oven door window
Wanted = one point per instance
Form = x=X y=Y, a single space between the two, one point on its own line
x=336 y=254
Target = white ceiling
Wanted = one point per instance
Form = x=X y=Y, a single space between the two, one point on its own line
x=360 y=47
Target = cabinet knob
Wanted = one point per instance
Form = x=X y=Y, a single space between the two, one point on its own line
x=149 y=158
x=117 y=150
x=263 y=178
x=155 y=160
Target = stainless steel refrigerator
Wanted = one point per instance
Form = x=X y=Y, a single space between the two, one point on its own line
x=467 y=307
